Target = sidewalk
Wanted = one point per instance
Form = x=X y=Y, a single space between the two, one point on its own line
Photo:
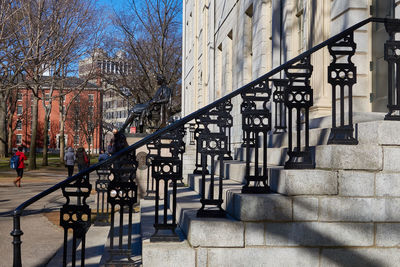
x=41 y=238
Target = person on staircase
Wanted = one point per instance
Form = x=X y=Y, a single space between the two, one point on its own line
x=21 y=166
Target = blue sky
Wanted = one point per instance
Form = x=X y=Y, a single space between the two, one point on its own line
x=116 y=4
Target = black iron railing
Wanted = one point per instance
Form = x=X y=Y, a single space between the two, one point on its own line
x=292 y=96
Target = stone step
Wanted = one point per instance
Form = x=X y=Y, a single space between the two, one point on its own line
x=317 y=136
x=162 y=253
x=349 y=157
x=260 y=207
x=303 y=182
x=206 y=232
x=275 y=156
x=235 y=170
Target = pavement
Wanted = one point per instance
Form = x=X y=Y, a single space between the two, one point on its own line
x=41 y=238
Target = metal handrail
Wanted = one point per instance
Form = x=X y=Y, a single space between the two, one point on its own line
x=16 y=233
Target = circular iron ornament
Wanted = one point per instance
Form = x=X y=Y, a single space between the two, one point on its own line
x=141 y=159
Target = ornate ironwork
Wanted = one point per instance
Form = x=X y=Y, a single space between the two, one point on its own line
x=166 y=168
x=122 y=192
x=102 y=214
x=278 y=97
x=342 y=75
x=256 y=119
x=213 y=145
x=298 y=100
x=392 y=56
x=75 y=214
x=198 y=165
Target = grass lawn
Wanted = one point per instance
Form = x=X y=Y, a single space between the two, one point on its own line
x=53 y=160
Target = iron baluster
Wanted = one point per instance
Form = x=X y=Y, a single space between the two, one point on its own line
x=198 y=164
x=122 y=191
x=280 y=86
x=342 y=74
x=213 y=145
x=299 y=99
x=153 y=152
x=76 y=215
x=392 y=56
x=102 y=215
x=256 y=119
x=225 y=124
x=167 y=168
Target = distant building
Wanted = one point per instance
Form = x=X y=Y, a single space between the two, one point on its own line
x=79 y=118
x=115 y=107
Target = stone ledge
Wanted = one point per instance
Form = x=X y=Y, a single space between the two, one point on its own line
x=361 y=257
x=220 y=257
x=303 y=182
x=346 y=157
x=206 y=232
x=319 y=234
x=163 y=254
x=359 y=209
x=379 y=132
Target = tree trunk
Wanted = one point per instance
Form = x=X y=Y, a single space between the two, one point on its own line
x=32 y=149
x=3 y=131
x=62 y=137
x=9 y=138
x=45 y=161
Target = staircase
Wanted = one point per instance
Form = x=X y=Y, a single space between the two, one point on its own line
x=292 y=192
x=345 y=212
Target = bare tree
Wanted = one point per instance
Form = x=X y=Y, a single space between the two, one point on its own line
x=49 y=31
x=11 y=62
x=84 y=118
x=75 y=34
x=150 y=39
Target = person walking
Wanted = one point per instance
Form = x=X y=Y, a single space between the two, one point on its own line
x=82 y=159
x=69 y=159
x=119 y=141
x=21 y=166
x=103 y=155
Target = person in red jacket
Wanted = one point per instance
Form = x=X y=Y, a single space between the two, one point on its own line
x=21 y=166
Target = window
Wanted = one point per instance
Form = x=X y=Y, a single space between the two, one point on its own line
x=91 y=110
x=19 y=139
x=76 y=125
x=46 y=97
x=300 y=24
x=19 y=96
x=91 y=97
x=19 y=125
x=76 y=139
x=77 y=99
x=19 y=110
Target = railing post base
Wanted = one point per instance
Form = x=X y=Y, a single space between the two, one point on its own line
x=342 y=136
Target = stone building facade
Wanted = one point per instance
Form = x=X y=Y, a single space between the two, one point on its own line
x=229 y=43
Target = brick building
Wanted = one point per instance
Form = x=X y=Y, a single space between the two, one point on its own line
x=81 y=126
